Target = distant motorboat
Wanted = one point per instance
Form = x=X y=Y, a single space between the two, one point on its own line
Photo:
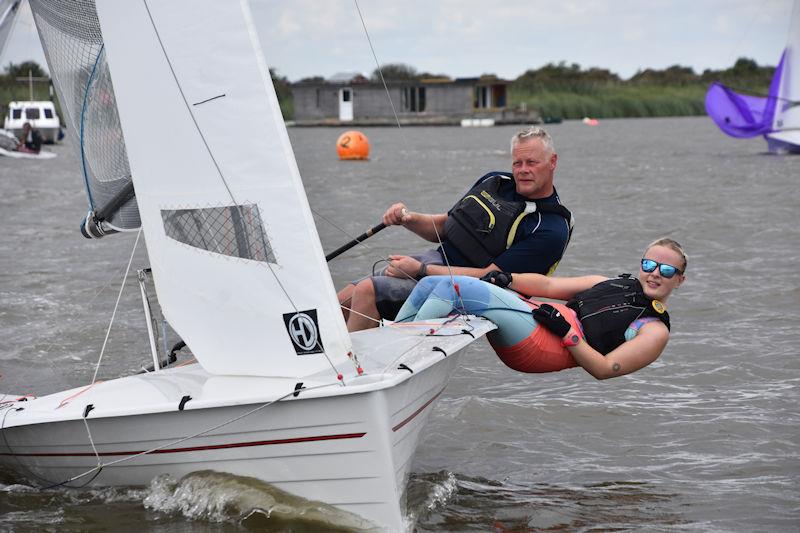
x=10 y=147
x=776 y=116
x=40 y=114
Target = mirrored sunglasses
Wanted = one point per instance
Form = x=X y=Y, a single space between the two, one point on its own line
x=666 y=271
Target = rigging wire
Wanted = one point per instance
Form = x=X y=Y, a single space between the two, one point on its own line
x=116 y=305
x=379 y=69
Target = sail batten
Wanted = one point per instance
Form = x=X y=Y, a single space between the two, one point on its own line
x=238 y=266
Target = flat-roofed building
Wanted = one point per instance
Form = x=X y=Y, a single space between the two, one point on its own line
x=349 y=97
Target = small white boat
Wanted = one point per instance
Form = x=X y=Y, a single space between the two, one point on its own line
x=40 y=114
x=24 y=154
x=280 y=390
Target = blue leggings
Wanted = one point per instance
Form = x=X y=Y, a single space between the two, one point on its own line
x=435 y=297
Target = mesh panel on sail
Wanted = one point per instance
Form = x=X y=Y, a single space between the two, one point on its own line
x=236 y=231
x=72 y=41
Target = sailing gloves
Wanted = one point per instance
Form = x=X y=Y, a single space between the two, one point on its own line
x=495 y=277
x=549 y=317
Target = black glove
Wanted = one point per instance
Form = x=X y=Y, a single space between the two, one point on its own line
x=549 y=317
x=495 y=277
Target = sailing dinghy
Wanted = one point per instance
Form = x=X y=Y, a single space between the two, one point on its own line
x=776 y=116
x=280 y=391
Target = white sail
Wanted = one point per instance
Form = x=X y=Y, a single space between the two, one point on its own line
x=787 y=111
x=237 y=262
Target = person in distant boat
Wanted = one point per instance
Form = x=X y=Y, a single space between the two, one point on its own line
x=511 y=222
x=31 y=139
x=610 y=327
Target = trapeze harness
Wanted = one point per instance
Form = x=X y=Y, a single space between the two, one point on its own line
x=607 y=314
x=481 y=226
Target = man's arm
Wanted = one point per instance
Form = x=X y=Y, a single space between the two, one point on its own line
x=429 y=227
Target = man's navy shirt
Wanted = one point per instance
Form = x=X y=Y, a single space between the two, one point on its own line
x=540 y=240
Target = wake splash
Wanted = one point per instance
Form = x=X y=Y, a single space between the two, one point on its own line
x=218 y=497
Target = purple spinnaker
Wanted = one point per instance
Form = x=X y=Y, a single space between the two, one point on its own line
x=740 y=115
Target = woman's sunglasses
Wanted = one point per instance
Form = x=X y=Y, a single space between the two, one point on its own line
x=667 y=271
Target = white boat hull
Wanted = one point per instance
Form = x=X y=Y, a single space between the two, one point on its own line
x=15 y=154
x=350 y=447
x=784 y=142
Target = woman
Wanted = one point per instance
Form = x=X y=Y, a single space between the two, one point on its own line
x=610 y=327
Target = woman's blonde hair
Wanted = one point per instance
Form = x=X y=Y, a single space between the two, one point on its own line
x=672 y=245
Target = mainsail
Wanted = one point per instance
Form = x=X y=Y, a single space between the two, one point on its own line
x=73 y=44
x=238 y=267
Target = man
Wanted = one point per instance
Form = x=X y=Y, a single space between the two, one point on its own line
x=31 y=140
x=508 y=222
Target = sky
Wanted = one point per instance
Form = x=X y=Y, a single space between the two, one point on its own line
x=467 y=38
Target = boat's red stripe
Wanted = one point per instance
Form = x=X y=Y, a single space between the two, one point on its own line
x=195 y=448
x=418 y=411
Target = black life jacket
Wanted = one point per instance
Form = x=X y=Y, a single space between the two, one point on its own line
x=607 y=309
x=482 y=225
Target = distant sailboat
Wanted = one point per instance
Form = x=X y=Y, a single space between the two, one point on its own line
x=776 y=116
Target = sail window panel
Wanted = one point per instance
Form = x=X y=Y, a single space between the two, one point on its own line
x=235 y=231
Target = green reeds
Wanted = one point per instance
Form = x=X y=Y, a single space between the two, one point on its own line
x=615 y=101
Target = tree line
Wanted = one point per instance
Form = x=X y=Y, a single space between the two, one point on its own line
x=556 y=89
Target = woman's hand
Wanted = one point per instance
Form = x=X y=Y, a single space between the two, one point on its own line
x=496 y=277
x=551 y=318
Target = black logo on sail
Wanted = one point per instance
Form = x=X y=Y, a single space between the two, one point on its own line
x=303 y=329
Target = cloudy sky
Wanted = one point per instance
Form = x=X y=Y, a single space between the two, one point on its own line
x=469 y=37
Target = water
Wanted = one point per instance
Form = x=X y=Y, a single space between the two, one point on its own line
x=705 y=439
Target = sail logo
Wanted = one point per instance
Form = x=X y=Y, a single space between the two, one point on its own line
x=303 y=330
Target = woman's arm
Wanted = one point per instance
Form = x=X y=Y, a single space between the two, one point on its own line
x=549 y=287
x=629 y=357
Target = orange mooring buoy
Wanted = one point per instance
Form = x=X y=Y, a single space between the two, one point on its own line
x=352 y=145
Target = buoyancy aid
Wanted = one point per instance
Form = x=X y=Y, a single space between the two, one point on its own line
x=608 y=309
x=482 y=225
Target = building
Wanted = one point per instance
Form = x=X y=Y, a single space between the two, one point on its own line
x=352 y=98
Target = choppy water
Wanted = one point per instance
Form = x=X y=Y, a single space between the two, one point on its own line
x=705 y=439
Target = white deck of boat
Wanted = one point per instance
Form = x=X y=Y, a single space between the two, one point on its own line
x=380 y=352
